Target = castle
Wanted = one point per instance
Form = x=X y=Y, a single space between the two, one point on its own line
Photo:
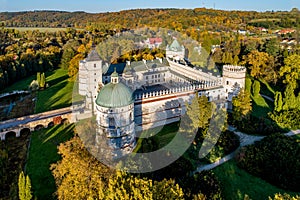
x=130 y=97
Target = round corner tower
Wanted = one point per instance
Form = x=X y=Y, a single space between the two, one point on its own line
x=115 y=119
x=233 y=77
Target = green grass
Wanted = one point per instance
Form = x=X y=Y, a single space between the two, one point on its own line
x=42 y=153
x=236 y=183
x=58 y=94
x=260 y=106
x=163 y=135
x=20 y=85
x=266 y=88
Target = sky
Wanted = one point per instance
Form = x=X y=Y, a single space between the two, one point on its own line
x=96 y=6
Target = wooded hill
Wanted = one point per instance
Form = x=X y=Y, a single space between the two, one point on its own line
x=178 y=19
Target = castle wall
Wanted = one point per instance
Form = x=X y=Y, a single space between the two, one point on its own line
x=192 y=73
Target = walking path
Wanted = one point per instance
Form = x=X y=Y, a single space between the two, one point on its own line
x=267 y=97
x=245 y=140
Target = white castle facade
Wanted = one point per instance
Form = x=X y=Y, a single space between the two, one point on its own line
x=136 y=96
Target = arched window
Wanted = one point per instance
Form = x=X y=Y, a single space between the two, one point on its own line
x=130 y=117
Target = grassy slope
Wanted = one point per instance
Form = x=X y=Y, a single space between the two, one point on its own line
x=20 y=85
x=237 y=182
x=42 y=153
x=261 y=106
x=59 y=93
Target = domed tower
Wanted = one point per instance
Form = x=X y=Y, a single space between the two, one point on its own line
x=115 y=118
x=233 y=79
x=175 y=51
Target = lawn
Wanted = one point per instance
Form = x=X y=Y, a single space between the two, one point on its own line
x=58 y=94
x=161 y=135
x=260 y=106
x=20 y=85
x=236 y=183
x=267 y=89
x=42 y=153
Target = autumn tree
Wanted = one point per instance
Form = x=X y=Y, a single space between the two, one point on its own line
x=74 y=65
x=78 y=175
x=291 y=70
x=127 y=186
x=241 y=105
x=261 y=65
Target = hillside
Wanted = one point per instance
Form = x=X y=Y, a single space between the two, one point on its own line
x=177 y=19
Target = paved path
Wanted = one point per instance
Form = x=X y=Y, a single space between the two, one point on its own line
x=244 y=141
x=267 y=97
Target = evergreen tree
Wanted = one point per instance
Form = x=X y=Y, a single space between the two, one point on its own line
x=42 y=82
x=289 y=101
x=248 y=84
x=256 y=88
x=28 y=193
x=21 y=184
x=38 y=77
x=278 y=101
x=24 y=187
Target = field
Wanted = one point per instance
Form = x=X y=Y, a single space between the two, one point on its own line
x=236 y=183
x=59 y=93
x=42 y=153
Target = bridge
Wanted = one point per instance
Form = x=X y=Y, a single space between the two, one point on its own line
x=37 y=121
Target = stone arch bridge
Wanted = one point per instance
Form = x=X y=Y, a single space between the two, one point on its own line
x=35 y=122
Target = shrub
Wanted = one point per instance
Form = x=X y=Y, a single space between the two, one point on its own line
x=276 y=159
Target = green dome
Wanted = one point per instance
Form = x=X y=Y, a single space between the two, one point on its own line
x=115 y=95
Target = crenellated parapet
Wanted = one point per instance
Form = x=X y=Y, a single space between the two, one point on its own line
x=234 y=71
x=205 y=85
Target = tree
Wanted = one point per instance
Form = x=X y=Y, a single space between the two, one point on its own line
x=261 y=65
x=291 y=70
x=248 y=84
x=278 y=102
x=38 y=77
x=256 y=88
x=241 y=105
x=290 y=100
x=126 y=186
x=272 y=47
x=200 y=111
x=42 y=82
x=24 y=187
x=74 y=66
x=79 y=175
